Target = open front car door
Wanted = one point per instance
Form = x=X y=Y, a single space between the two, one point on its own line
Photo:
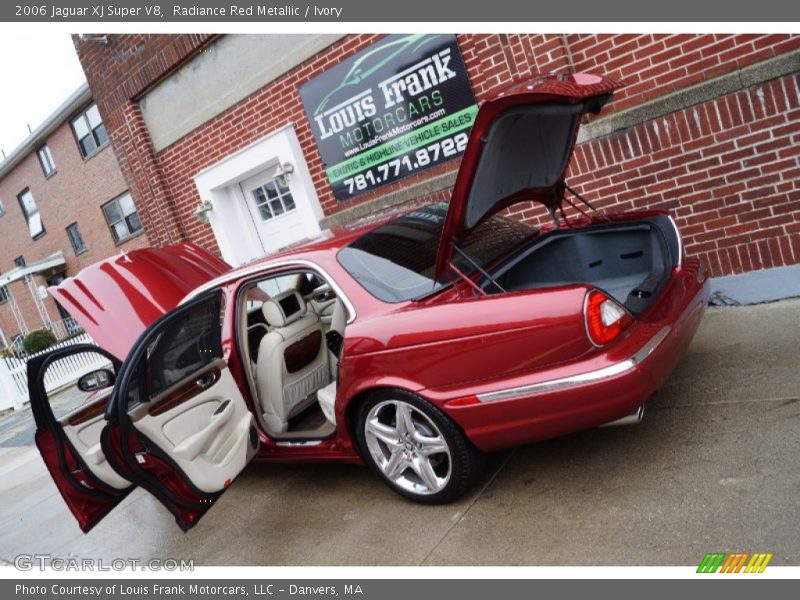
x=177 y=423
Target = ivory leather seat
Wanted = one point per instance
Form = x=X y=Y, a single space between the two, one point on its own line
x=292 y=359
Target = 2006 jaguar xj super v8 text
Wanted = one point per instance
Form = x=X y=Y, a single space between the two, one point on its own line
x=413 y=344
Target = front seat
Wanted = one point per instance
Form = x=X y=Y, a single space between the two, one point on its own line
x=292 y=359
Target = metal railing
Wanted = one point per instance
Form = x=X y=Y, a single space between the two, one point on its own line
x=65 y=328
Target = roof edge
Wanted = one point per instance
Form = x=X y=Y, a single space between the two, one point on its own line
x=75 y=100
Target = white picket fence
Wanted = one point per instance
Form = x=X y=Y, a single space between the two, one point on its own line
x=64 y=372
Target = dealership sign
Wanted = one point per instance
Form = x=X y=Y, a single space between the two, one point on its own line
x=401 y=106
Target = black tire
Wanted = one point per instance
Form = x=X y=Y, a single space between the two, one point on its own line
x=465 y=461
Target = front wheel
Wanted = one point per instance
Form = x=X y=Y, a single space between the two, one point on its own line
x=416 y=448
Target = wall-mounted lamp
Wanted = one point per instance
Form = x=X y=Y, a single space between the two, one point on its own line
x=202 y=210
x=283 y=172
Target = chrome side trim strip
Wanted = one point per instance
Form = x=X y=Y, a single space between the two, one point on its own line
x=261 y=267
x=582 y=378
x=650 y=346
x=299 y=443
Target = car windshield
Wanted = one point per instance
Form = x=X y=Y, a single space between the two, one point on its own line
x=396 y=261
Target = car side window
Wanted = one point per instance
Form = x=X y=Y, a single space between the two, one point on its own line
x=75 y=383
x=185 y=345
x=304 y=282
x=277 y=285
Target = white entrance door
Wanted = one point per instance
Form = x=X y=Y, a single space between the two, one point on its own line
x=271 y=204
x=261 y=197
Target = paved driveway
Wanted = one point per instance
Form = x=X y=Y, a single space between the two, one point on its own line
x=712 y=467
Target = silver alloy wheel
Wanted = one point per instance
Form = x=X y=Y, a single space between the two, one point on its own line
x=408 y=447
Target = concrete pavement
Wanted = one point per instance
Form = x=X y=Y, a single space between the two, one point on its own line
x=712 y=467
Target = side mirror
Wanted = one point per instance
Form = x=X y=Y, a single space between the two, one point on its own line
x=96 y=380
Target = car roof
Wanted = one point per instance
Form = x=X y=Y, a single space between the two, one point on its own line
x=329 y=241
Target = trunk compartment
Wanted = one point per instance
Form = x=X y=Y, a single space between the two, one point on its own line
x=627 y=260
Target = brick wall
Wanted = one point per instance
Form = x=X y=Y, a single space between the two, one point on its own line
x=651 y=65
x=657 y=64
x=73 y=194
x=728 y=170
x=118 y=73
x=130 y=64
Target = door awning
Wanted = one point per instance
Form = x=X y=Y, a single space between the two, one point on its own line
x=17 y=273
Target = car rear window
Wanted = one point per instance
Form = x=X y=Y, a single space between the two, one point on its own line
x=395 y=262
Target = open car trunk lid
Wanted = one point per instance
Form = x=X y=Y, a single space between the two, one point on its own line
x=519 y=149
x=115 y=300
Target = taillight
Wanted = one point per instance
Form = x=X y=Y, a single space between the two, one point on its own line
x=605 y=318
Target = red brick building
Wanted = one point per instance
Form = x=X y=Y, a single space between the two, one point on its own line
x=707 y=126
x=64 y=205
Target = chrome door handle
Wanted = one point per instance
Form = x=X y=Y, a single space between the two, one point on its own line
x=206 y=381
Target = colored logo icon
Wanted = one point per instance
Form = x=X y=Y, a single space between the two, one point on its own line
x=736 y=562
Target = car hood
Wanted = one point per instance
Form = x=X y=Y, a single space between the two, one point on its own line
x=116 y=299
x=519 y=150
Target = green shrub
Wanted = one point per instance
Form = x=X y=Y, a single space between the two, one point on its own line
x=38 y=340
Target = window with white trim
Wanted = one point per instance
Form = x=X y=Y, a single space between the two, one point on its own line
x=46 y=160
x=273 y=199
x=31 y=211
x=122 y=218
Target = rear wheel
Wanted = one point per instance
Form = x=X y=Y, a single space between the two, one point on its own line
x=416 y=448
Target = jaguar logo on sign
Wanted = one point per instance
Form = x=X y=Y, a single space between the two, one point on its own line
x=401 y=106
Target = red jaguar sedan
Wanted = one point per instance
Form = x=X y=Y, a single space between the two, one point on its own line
x=413 y=344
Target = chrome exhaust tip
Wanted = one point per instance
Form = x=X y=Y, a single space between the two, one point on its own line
x=631 y=419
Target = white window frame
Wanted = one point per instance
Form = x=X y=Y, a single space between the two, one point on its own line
x=33 y=218
x=46 y=160
x=283 y=197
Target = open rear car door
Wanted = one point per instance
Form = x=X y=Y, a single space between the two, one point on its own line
x=178 y=424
